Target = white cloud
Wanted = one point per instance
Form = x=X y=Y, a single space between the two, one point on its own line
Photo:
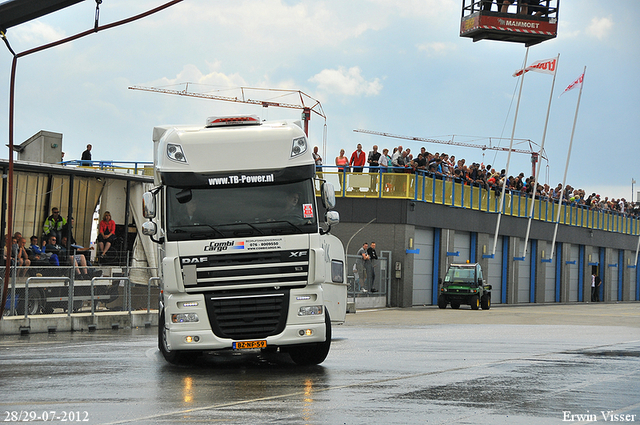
x=36 y=33
x=191 y=74
x=348 y=82
x=415 y=8
x=302 y=26
x=600 y=27
x=436 y=48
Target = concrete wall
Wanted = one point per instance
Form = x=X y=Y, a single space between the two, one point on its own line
x=396 y=222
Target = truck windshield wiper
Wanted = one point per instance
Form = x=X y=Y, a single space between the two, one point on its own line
x=198 y=231
x=279 y=227
x=249 y=230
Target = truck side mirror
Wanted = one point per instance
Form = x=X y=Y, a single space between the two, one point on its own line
x=149 y=228
x=328 y=195
x=332 y=217
x=148 y=205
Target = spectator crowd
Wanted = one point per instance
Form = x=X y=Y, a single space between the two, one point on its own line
x=445 y=167
x=58 y=248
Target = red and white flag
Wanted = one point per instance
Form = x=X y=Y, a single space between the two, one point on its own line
x=546 y=66
x=576 y=83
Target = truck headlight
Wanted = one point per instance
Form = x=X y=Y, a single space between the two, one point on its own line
x=299 y=146
x=310 y=310
x=184 y=318
x=175 y=153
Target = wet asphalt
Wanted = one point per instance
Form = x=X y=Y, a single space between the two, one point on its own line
x=551 y=364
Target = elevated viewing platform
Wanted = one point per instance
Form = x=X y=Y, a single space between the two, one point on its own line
x=422 y=223
x=429 y=188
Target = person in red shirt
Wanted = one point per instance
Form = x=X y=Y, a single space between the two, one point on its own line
x=106 y=234
x=358 y=158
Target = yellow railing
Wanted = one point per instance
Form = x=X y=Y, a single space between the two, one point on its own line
x=423 y=188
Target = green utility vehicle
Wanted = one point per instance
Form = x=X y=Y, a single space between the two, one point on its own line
x=464 y=284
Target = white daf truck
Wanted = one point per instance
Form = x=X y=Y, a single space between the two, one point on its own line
x=246 y=261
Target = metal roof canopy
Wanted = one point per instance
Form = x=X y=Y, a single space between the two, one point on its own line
x=56 y=169
x=16 y=12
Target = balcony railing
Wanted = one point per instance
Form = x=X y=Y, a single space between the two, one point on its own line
x=144 y=168
x=422 y=187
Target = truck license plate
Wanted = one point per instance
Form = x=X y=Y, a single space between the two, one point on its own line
x=248 y=345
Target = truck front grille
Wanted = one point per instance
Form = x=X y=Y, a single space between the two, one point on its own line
x=258 y=269
x=248 y=316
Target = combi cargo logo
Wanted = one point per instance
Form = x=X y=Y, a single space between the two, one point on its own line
x=224 y=246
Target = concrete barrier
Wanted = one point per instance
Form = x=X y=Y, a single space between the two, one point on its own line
x=42 y=323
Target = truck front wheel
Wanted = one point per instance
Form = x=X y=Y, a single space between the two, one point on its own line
x=442 y=301
x=486 y=302
x=475 y=302
x=172 y=356
x=313 y=354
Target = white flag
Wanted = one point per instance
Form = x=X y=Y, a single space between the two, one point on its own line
x=546 y=66
x=576 y=83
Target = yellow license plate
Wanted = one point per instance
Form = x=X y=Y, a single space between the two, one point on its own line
x=248 y=345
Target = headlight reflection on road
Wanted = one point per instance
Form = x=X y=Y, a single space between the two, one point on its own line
x=307 y=411
x=187 y=389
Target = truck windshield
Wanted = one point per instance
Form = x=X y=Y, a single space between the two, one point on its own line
x=236 y=212
x=460 y=275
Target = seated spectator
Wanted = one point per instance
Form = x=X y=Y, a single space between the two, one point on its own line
x=22 y=257
x=36 y=254
x=53 y=224
x=64 y=258
x=14 y=248
x=72 y=245
x=107 y=233
x=51 y=247
x=79 y=260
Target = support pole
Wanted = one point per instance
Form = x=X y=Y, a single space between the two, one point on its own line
x=513 y=131
x=566 y=168
x=536 y=174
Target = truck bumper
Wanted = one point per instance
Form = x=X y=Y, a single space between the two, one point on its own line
x=199 y=335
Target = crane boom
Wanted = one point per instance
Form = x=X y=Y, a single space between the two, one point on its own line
x=448 y=142
x=316 y=108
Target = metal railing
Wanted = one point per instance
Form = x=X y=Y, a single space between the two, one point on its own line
x=49 y=280
x=139 y=167
x=60 y=294
x=422 y=187
x=359 y=284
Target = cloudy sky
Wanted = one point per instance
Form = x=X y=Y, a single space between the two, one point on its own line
x=391 y=66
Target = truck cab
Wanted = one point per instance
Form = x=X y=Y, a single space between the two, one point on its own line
x=246 y=261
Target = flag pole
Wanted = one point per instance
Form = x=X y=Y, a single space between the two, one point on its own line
x=637 y=252
x=504 y=181
x=564 y=179
x=633 y=181
x=535 y=177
